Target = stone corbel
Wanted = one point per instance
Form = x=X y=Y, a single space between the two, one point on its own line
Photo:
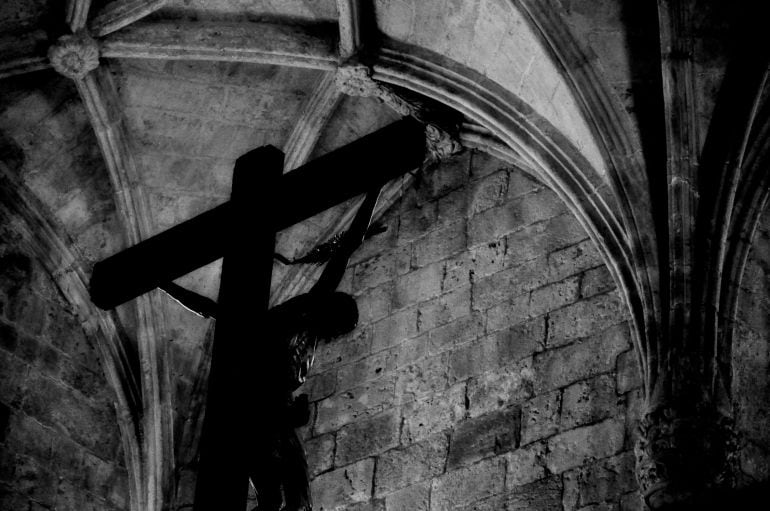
x=681 y=459
x=75 y=55
x=441 y=134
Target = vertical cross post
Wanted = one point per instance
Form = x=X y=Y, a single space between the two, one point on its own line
x=241 y=359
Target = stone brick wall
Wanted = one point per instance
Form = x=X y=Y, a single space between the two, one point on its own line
x=59 y=440
x=492 y=367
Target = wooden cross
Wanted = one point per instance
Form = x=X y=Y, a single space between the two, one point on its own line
x=242 y=231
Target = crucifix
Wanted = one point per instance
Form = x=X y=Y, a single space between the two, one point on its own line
x=248 y=404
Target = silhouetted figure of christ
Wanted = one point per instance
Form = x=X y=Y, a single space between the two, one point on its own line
x=279 y=469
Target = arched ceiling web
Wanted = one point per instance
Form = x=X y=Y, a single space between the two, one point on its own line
x=492 y=37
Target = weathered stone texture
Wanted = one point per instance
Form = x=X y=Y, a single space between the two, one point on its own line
x=494 y=355
x=59 y=439
x=343 y=486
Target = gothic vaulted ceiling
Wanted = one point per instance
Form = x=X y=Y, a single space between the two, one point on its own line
x=133 y=124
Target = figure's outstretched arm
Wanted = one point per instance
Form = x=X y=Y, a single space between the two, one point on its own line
x=191 y=300
x=355 y=235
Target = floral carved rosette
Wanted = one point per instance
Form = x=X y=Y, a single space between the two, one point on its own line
x=74 y=56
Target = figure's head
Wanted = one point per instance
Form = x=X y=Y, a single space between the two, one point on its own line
x=335 y=314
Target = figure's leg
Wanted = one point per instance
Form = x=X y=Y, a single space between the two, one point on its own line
x=265 y=477
x=294 y=473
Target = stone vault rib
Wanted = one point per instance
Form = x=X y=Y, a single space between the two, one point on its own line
x=120 y=13
x=77 y=57
x=316 y=112
x=611 y=127
x=77 y=14
x=257 y=43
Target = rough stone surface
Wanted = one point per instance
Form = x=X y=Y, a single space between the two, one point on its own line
x=495 y=357
x=347 y=485
x=59 y=440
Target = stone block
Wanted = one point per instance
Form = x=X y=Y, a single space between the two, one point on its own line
x=457 y=272
x=83 y=380
x=500 y=389
x=629 y=376
x=604 y=506
x=453 y=206
x=542 y=238
x=372 y=505
x=33 y=480
x=62 y=409
x=632 y=501
x=488 y=192
x=410 y=465
x=416 y=222
x=520 y=341
x=411 y=498
x=28 y=349
x=482 y=164
x=343 y=350
x=320 y=453
x=541 y=495
x=607 y=479
x=481 y=437
x=473 y=359
x=439 y=244
x=374 y=304
x=444 y=309
x=367 y=369
x=320 y=386
x=367 y=437
x=520 y=184
x=578 y=446
x=574 y=259
x=351 y=405
x=450 y=175
x=25 y=435
x=98 y=475
x=427 y=376
x=540 y=417
x=501 y=286
x=469 y=484
x=513 y=215
x=9 y=337
x=594 y=355
x=525 y=465
x=596 y=281
x=588 y=401
x=343 y=486
x=13 y=372
x=460 y=331
x=411 y=350
x=395 y=329
x=433 y=414
x=585 y=318
x=512 y=311
x=553 y=296
x=418 y=286
x=373 y=272
x=488 y=258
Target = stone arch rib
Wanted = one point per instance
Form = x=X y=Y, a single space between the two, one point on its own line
x=752 y=197
x=555 y=160
x=621 y=151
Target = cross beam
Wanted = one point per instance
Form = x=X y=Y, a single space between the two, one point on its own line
x=316 y=186
x=234 y=412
